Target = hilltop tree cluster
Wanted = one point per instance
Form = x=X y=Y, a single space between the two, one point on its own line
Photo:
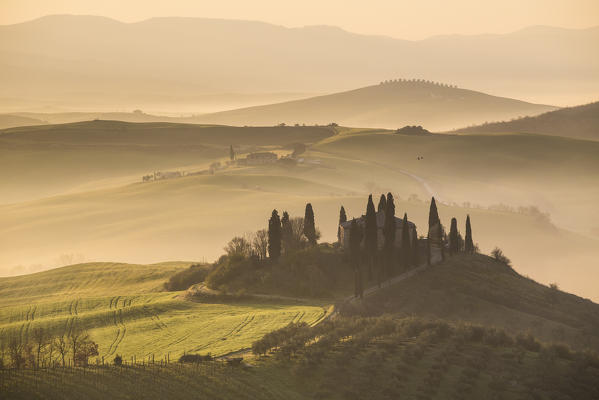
x=422 y=81
x=287 y=234
x=42 y=349
x=385 y=258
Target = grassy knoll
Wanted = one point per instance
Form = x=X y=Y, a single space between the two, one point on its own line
x=126 y=313
x=483 y=291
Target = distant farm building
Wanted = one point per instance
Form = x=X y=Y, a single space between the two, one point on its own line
x=258 y=158
x=344 y=231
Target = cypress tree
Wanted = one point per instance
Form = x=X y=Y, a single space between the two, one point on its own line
x=342 y=219
x=469 y=244
x=309 y=227
x=389 y=233
x=355 y=240
x=415 y=250
x=454 y=243
x=231 y=153
x=406 y=243
x=433 y=215
x=286 y=232
x=371 y=235
x=382 y=204
x=274 y=236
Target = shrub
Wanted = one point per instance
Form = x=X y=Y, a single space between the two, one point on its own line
x=230 y=268
x=118 y=360
x=184 y=279
x=195 y=358
x=528 y=342
x=561 y=350
x=500 y=257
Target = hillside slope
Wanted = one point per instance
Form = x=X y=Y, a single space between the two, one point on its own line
x=387 y=105
x=581 y=122
x=126 y=311
x=52 y=159
x=480 y=290
x=13 y=120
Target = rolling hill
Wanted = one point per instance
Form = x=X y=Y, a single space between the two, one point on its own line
x=387 y=105
x=77 y=62
x=101 y=210
x=126 y=311
x=14 y=120
x=460 y=329
x=53 y=159
x=581 y=122
x=482 y=291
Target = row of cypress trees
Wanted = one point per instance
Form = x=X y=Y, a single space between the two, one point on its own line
x=382 y=263
x=455 y=242
x=280 y=228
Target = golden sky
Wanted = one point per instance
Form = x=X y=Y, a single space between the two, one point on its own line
x=414 y=19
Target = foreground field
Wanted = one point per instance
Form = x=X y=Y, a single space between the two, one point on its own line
x=125 y=313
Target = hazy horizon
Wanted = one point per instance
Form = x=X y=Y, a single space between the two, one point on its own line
x=466 y=17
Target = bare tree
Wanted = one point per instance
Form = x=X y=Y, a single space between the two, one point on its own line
x=40 y=340
x=238 y=246
x=62 y=348
x=50 y=351
x=76 y=339
x=260 y=243
x=15 y=352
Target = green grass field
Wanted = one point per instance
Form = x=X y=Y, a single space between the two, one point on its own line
x=126 y=313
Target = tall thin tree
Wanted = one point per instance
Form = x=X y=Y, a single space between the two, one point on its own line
x=286 y=232
x=355 y=239
x=454 y=243
x=231 y=153
x=389 y=234
x=415 y=249
x=382 y=203
x=406 y=243
x=433 y=214
x=274 y=236
x=370 y=235
x=468 y=243
x=342 y=219
x=309 y=225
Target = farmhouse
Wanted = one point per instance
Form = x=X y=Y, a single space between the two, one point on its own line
x=344 y=230
x=258 y=158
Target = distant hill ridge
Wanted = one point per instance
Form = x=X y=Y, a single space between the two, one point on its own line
x=57 y=59
x=581 y=122
x=390 y=104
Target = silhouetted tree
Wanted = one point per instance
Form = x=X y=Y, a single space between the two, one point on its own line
x=415 y=249
x=406 y=243
x=40 y=339
x=231 y=153
x=286 y=232
x=468 y=243
x=382 y=204
x=355 y=240
x=62 y=347
x=433 y=214
x=309 y=226
x=370 y=234
x=260 y=243
x=342 y=219
x=274 y=236
x=454 y=243
x=389 y=233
